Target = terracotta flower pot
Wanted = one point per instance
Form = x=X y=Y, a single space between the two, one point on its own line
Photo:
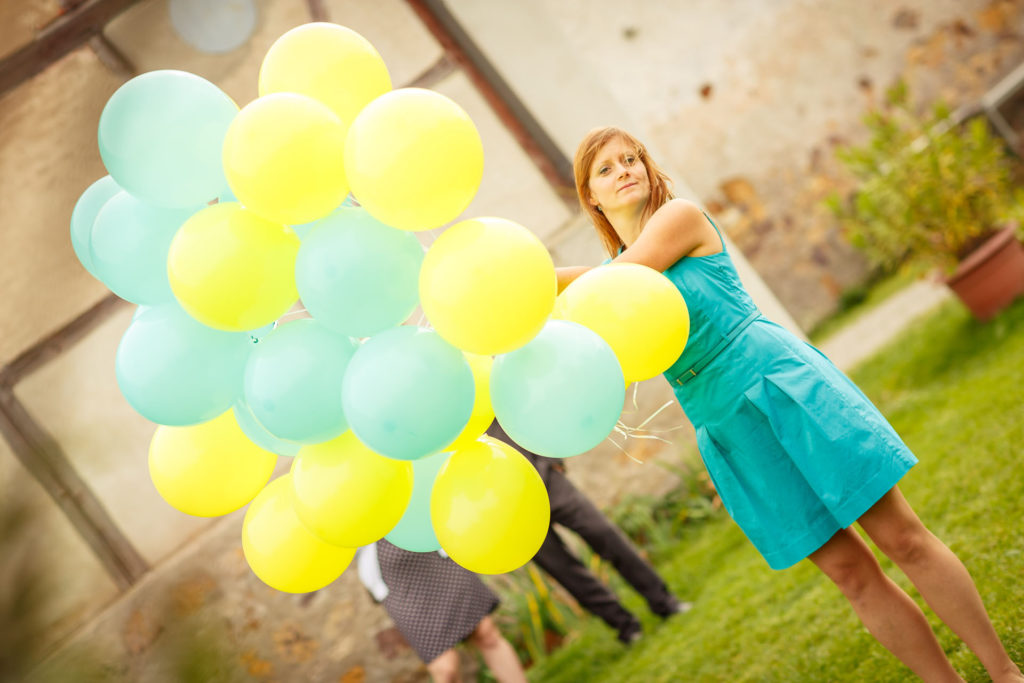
x=992 y=276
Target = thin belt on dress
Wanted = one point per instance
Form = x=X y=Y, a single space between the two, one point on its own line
x=695 y=369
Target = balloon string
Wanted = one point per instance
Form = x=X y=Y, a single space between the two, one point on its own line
x=628 y=432
x=666 y=431
x=653 y=415
x=631 y=433
x=624 y=451
x=636 y=407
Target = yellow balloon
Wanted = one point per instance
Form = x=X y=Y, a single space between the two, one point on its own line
x=414 y=159
x=233 y=270
x=283 y=158
x=489 y=507
x=327 y=62
x=637 y=310
x=282 y=552
x=208 y=469
x=348 y=495
x=487 y=285
x=483 y=411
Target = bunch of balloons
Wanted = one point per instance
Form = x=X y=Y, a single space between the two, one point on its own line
x=217 y=220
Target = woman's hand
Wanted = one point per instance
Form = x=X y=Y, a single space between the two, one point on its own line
x=568 y=274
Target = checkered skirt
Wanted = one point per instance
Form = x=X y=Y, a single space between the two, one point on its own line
x=434 y=602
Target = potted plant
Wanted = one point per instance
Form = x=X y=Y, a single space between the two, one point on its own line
x=934 y=190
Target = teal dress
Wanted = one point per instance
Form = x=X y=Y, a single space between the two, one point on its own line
x=796 y=451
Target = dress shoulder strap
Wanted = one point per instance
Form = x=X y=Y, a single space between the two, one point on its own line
x=720 y=238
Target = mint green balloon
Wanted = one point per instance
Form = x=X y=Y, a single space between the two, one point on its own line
x=562 y=393
x=357 y=275
x=293 y=381
x=84 y=215
x=415 y=531
x=176 y=371
x=407 y=393
x=303 y=229
x=259 y=435
x=160 y=137
x=129 y=245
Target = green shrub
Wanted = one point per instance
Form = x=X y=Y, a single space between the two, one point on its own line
x=927 y=187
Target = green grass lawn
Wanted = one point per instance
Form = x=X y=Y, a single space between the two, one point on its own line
x=954 y=389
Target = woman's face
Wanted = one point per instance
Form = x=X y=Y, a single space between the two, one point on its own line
x=618 y=179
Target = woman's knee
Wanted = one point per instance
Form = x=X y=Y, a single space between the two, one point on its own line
x=849 y=563
x=445 y=667
x=906 y=545
x=486 y=634
x=854 y=577
x=897 y=531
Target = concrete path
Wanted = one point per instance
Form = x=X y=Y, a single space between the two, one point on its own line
x=876 y=328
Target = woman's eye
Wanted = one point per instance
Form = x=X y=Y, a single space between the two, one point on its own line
x=630 y=160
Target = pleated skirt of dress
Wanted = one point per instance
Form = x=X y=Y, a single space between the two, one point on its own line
x=796 y=451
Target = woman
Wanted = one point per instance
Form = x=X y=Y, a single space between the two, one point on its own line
x=796 y=451
x=436 y=604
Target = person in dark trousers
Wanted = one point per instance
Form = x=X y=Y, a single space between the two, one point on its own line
x=572 y=510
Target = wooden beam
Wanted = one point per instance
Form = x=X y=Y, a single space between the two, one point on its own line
x=112 y=57
x=317 y=11
x=54 y=344
x=44 y=459
x=526 y=130
x=81 y=23
x=69 y=31
x=433 y=74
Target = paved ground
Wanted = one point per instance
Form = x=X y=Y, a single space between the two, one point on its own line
x=876 y=328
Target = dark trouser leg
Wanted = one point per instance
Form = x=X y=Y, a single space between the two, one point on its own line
x=573 y=510
x=565 y=568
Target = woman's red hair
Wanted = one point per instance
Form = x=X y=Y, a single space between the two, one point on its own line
x=591 y=144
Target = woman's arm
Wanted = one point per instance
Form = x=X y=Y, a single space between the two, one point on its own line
x=568 y=274
x=679 y=228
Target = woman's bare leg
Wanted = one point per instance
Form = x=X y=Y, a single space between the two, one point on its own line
x=445 y=667
x=886 y=611
x=940 y=577
x=498 y=653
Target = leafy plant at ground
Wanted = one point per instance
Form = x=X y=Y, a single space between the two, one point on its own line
x=654 y=523
x=535 y=615
x=928 y=187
